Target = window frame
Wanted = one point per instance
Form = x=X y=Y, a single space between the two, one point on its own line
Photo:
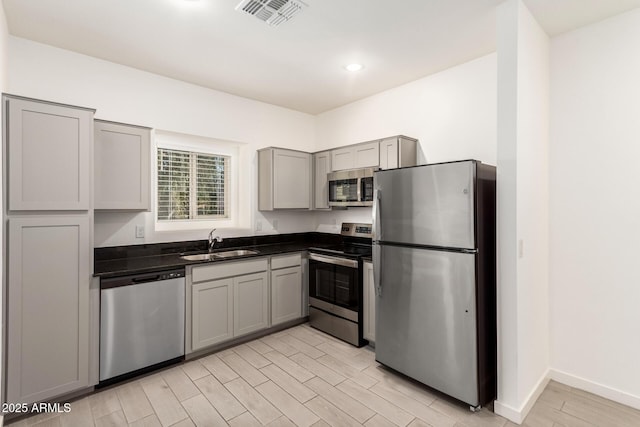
x=194 y=184
x=207 y=146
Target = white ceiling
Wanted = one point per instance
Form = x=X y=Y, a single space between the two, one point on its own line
x=297 y=65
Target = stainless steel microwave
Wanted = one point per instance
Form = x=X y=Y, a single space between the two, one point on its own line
x=352 y=187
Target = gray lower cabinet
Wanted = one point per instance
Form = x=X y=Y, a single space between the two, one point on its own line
x=250 y=303
x=122 y=166
x=48 y=306
x=212 y=312
x=49 y=155
x=226 y=300
x=368 y=303
x=286 y=288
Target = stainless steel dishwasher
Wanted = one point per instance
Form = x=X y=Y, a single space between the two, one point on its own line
x=141 y=323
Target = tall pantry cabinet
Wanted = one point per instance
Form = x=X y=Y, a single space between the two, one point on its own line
x=48 y=251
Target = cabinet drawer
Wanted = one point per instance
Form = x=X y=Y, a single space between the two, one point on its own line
x=218 y=271
x=286 y=261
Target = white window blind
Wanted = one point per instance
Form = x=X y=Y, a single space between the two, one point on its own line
x=192 y=185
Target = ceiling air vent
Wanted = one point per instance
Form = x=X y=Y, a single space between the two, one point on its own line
x=273 y=12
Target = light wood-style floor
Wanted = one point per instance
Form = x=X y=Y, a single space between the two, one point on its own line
x=302 y=377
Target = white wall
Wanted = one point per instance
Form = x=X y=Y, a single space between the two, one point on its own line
x=533 y=204
x=4 y=72
x=452 y=113
x=595 y=208
x=128 y=95
x=523 y=204
x=4 y=51
x=507 y=171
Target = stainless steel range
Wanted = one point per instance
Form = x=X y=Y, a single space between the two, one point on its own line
x=335 y=284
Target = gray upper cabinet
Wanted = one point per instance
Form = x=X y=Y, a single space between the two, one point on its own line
x=366 y=155
x=389 y=153
x=363 y=155
x=49 y=150
x=122 y=166
x=290 y=179
x=321 y=167
x=343 y=158
x=284 y=179
x=398 y=152
x=48 y=311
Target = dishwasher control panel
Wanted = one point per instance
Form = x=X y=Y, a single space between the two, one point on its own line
x=174 y=275
x=134 y=279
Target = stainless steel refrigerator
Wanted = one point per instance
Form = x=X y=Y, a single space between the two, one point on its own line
x=434 y=257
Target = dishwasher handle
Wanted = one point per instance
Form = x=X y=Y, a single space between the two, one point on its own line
x=154 y=278
x=136 y=279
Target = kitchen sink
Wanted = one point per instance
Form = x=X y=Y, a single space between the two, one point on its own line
x=199 y=257
x=238 y=252
x=219 y=255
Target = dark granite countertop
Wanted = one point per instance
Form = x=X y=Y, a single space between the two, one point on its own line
x=124 y=260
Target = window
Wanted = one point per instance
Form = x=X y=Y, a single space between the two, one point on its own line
x=192 y=186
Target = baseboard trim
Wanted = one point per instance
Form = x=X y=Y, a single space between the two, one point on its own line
x=508 y=412
x=517 y=415
x=596 y=388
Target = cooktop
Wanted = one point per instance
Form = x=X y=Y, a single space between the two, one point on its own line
x=356 y=242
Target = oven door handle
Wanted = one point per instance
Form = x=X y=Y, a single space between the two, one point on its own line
x=336 y=261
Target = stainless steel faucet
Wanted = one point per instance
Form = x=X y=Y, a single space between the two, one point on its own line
x=213 y=240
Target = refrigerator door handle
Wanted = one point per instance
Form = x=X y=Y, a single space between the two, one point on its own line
x=376 y=215
x=376 y=269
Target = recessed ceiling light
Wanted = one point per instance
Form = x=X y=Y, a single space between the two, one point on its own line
x=354 y=67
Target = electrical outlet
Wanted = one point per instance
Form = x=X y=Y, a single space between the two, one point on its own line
x=140 y=231
x=275 y=224
x=258 y=225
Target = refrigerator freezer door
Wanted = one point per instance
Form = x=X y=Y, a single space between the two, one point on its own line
x=426 y=318
x=429 y=205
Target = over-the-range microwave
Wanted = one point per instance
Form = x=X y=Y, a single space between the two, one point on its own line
x=352 y=187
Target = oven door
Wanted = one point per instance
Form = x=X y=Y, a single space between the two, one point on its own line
x=333 y=281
